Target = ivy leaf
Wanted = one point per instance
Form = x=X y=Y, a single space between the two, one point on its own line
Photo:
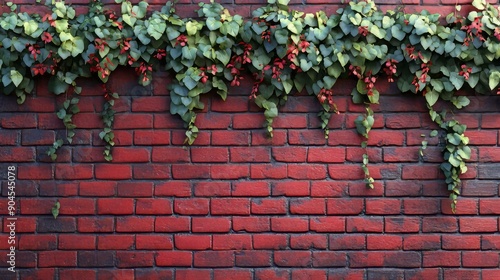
x=16 y=77
x=461 y=101
x=457 y=80
x=432 y=97
x=129 y=20
x=281 y=36
x=434 y=133
x=494 y=79
x=213 y=24
x=55 y=209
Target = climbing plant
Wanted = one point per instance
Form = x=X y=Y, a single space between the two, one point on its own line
x=286 y=51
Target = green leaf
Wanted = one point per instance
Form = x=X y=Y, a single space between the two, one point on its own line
x=434 y=133
x=431 y=97
x=213 y=24
x=55 y=209
x=494 y=79
x=281 y=36
x=16 y=77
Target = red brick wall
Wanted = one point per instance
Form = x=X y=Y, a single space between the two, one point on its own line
x=237 y=205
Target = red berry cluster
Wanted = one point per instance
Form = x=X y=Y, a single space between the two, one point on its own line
x=210 y=69
x=473 y=30
x=236 y=61
x=363 y=30
x=326 y=95
x=370 y=83
x=95 y=66
x=143 y=70
x=425 y=68
x=181 y=40
x=466 y=71
x=390 y=69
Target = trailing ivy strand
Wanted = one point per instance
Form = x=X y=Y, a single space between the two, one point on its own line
x=285 y=50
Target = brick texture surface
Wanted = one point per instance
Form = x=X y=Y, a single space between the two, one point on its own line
x=236 y=205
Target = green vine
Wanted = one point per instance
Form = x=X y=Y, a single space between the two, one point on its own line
x=108 y=118
x=286 y=51
x=364 y=124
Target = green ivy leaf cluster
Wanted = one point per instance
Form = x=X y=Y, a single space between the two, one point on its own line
x=285 y=50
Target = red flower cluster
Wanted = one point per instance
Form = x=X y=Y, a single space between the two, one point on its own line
x=390 y=69
x=266 y=35
x=465 y=71
x=370 y=83
x=125 y=45
x=363 y=30
x=210 y=69
x=100 y=44
x=95 y=66
x=34 y=50
x=181 y=40
x=423 y=77
x=46 y=37
x=143 y=70
x=160 y=53
x=326 y=95
x=236 y=61
x=473 y=30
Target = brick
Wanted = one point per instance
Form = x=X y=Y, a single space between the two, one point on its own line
x=268 y=171
x=57 y=259
x=327 y=224
x=17 y=154
x=304 y=274
x=402 y=121
x=231 y=104
x=61 y=224
x=463 y=207
x=33 y=205
x=328 y=259
x=214 y=259
x=307 y=172
x=77 y=242
x=392 y=259
x=192 y=274
x=37 y=242
x=480 y=259
x=133 y=121
x=291 y=188
x=230 y=138
x=115 y=206
x=417 y=206
x=97 y=188
x=343 y=206
x=221 y=274
x=290 y=121
x=135 y=224
x=150 y=104
x=41 y=172
x=191 y=206
x=151 y=171
x=306 y=137
x=292 y=258
x=211 y=224
x=170 y=154
x=230 y=206
x=77 y=274
x=134 y=155
x=192 y=242
x=384 y=242
x=270 y=241
x=8 y=137
x=232 y=242
x=260 y=138
x=252 y=155
x=360 y=224
x=153 y=242
x=173 y=188
x=403 y=188
x=153 y=274
x=33 y=274
x=482 y=137
x=307 y=206
x=251 y=224
x=347 y=242
x=345 y=172
x=73 y=172
x=229 y=172
x=478 y=224
x=308 y=241
x=488 y=171
x=441 y=259
x=386 y=138
x=360 y=188
x=422 y=242
x=32 y=137
x=153 y=206
x=251 y=188
x=174 y=258
x=419 y=172
x=151 y=137
x=286 y=224
x=207 y=155
x=77 y=206
x=461 y=242
x=328 y=189
x=489 y=206
x=103 y=274
x=439 y=224
x=326 y=155
x=289 y=154
x=481 y=188
x=113 y=171
x=18 y=120
x=490 y=273
x=401 y=154
x=185 y=171
x=115 y=242
x=383 y=206
x=172 y=224
x=96 y=224
x=426 y=273
x=402 y=224
x=135 y=189
x=462 y=274
x=272 y=274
